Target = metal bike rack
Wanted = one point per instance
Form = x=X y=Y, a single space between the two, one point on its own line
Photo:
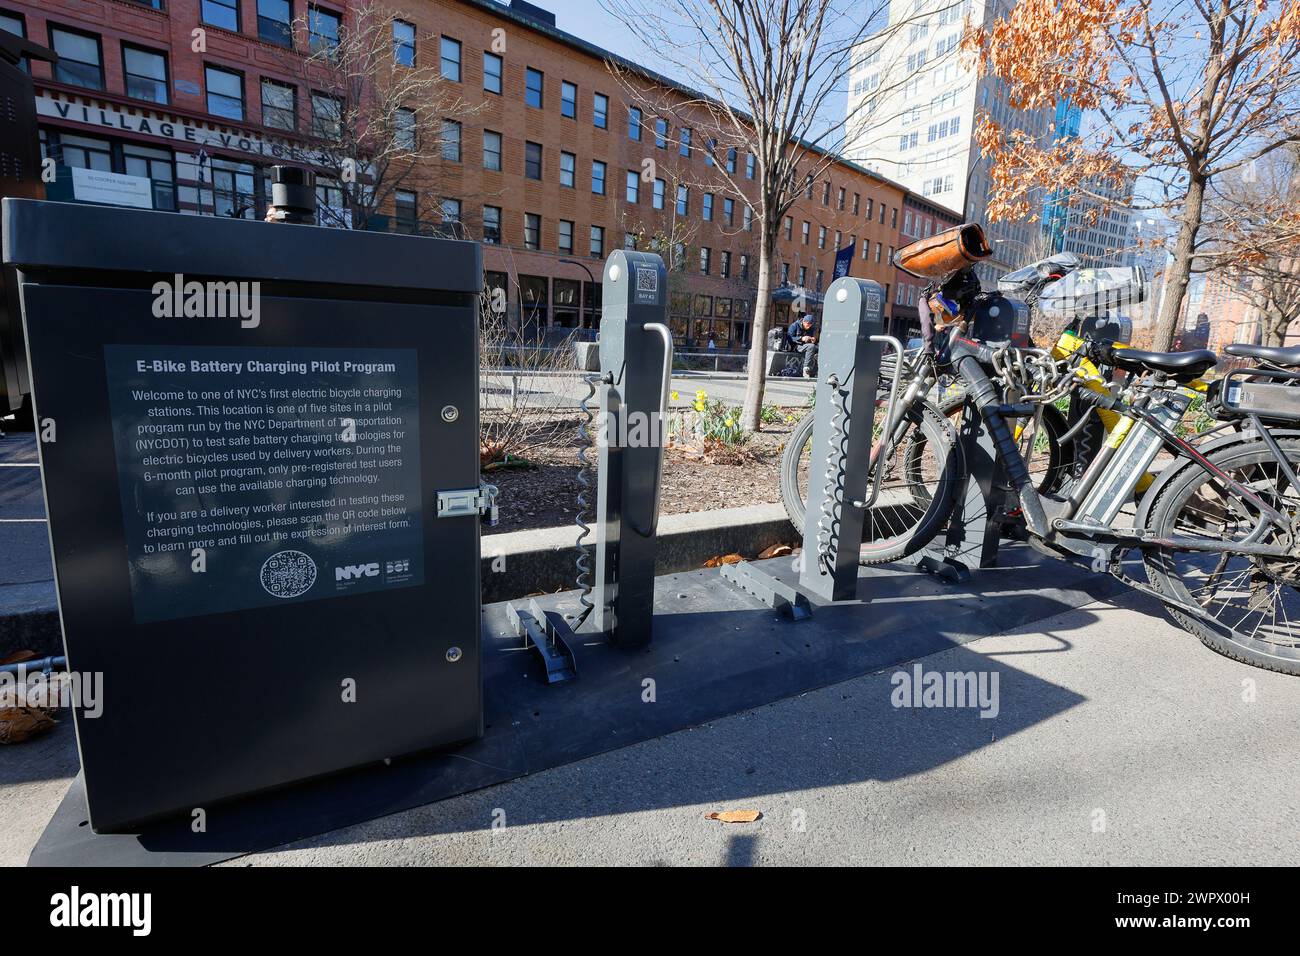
x=632 y=390
x=848 y=373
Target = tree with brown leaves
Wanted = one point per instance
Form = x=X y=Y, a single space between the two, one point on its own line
x=1177 y=95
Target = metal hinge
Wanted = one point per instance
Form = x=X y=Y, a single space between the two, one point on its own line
x=461 y=502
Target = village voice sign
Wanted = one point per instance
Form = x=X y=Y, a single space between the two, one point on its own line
x=179 y=131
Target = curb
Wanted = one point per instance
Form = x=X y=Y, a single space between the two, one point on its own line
x=30 y=619
x=518 y=563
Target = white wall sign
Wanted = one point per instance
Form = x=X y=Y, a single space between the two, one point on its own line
x=118 y=189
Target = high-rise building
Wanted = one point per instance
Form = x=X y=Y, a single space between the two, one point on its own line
x=1093 y=222
x=912 y=107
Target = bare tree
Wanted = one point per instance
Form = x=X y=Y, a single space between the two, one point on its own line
x=1178 y=94
x=381 y=120
x=1254 y=239
x=766 y=73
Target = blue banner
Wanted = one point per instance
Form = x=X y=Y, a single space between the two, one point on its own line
x=844 y=259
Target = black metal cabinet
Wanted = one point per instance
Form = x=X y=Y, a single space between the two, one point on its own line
x=329 y=615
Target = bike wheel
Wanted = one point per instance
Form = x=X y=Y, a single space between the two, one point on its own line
x=1254 y=600
x=1054 y=465
x=917 y=491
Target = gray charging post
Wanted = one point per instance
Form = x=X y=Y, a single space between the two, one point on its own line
x=848 y=373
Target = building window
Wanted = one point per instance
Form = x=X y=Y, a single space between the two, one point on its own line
x=724 y=264
x=492 y=225
x=566 y=236
x=533 y=160
x=870 y=203
x=449 y=59
x=404 y=43
x=322 y=30
x=234 y=194
x=146 y=74
x=532 y=230
x=406 y=207
x=803 y=275
x=275 y=22
x=451 y=216
x=79 y=61
x=534 y=88
x=658 y=191
x=684 y=137
x=598 y=241
x=633 y=186
x=566 y=294
x=279 y=105
x=568 y=99
x=568 y=166
x=751 y=164
x=710 y=151
x=806 y=231
x=821 y=237
x=744 y=266
x=493 y=67
x=492 y=151
x=661 y=133
x=534 y=296
x=634 y=123
x=789 y=228
x=731 y=160
x=840 y=201
x=597 y=177
x=156 y=166
x=600 y=111
x=729 y=211
x=450 y=138
x=326 y=116
x=707 y=212
x=15 y=24
x=221 y=13
x=826 y=193
x=857 y=203
x=705 y=259
x=747 y=218
x=225 y=93
x=683 y=200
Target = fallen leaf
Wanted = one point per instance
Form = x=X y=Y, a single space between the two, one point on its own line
x=20 y=723
x=734 y=816
x=720 y=560
x=776 y=551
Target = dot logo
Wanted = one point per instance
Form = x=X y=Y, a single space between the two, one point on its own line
x=288 y=574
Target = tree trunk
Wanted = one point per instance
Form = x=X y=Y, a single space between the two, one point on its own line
x=751 y=413
x=1275 y=328
x=1180 y=270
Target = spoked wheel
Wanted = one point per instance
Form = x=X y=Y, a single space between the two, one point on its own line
x=1254 y=602
x=917 y=490
x=1053 y=464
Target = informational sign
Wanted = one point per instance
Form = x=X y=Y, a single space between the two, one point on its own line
x=116 y=189
x=257 y=476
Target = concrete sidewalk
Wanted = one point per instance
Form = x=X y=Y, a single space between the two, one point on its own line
x=1145 y=751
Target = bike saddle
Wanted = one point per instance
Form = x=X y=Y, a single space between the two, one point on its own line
x=1265 y=353
x=1179 y=364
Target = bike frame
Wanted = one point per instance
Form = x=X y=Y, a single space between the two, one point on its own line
x=1269 y=517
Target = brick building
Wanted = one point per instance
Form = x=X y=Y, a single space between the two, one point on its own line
x=545 y=171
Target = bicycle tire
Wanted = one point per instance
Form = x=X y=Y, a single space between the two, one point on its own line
x=883 y=549
x=1163 y=576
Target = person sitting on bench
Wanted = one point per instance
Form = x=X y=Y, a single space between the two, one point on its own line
x=801 y=335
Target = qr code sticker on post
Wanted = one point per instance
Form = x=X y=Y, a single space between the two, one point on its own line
x=647 y=281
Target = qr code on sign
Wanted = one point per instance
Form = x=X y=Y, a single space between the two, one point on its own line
x=647 y=280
